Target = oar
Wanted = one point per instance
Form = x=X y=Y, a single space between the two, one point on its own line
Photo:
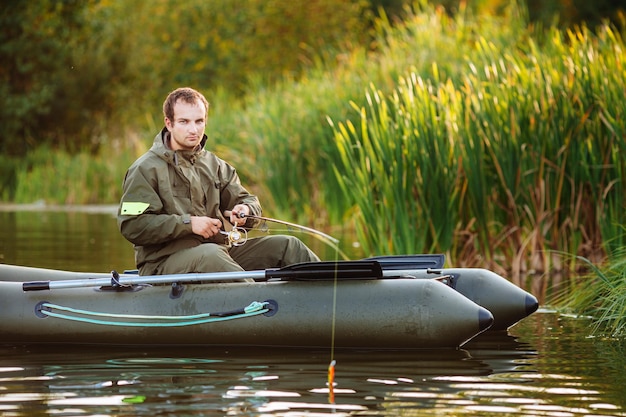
x=365 y=269
x=408 y=262
x=392 y=265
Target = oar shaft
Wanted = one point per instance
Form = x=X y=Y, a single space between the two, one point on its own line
x=143 y=279
x=373 y=268
x=308 y=270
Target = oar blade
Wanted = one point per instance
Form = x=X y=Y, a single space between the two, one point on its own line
x=404 y=262
x=342 y=270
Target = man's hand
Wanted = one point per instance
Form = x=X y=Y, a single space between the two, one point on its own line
x=205 y=226
x=236 y=217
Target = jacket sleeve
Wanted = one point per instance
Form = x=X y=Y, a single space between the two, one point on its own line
x=233 y=193
x=140 y=216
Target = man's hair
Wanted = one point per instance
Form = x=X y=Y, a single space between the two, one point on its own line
x=185 y=94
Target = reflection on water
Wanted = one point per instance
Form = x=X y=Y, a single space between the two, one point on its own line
x=86 y=240
x=68 y=240
x=543 y=366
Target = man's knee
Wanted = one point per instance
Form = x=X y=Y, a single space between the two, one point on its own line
x=296 y=251
x=207 y=257
x=215 y=258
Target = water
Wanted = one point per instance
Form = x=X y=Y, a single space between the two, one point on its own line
x=87 y=239
x=544 y=366
x=79 y=240
x=547 y=365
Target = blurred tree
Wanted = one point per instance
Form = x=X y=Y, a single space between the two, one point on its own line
x=574 y=12
x=565 y=12
x=77 y=73
x=222 y=43
x=35 y=49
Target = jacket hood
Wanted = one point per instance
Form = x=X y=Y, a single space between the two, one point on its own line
x=163 y=151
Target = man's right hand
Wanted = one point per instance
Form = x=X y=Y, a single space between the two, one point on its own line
x=205 y=226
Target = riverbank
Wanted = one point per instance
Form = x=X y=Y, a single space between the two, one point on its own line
x=78 y=208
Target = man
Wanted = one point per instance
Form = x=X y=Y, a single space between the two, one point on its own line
x=175 y=197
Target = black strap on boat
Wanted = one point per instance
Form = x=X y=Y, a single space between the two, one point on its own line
x=116 y=285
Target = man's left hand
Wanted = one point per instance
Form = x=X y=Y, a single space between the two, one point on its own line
x=236 y=217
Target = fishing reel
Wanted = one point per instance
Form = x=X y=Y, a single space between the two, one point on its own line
x=237 y=236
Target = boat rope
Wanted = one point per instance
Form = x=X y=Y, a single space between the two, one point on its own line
x=44 y=309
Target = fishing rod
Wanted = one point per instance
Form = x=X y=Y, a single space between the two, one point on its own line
x=310 y=230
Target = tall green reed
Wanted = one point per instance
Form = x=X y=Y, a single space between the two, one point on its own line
x=284 y=128
x=399 y=166
x=536 y=146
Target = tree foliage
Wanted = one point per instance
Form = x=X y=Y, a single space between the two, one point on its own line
x=79 y=73
x=77 y=70
x=36 y=41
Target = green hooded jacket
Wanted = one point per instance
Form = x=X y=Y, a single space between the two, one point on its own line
x=164 y=188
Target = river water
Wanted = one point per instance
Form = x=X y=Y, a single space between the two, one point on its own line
x=546 y=365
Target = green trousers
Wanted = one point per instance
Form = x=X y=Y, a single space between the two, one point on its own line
x=256 y=254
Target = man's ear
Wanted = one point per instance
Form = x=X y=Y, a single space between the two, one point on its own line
x=168 y=124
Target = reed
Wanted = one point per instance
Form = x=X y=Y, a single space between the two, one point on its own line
x=406 y=196
x=529 y=140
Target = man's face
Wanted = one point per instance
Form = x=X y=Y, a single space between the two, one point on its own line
x=187 y=128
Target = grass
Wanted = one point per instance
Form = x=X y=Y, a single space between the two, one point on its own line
x=61 y=178
x=601 y=294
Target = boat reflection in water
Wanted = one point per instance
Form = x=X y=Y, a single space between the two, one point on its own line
x=497 y=372
x=236 y=380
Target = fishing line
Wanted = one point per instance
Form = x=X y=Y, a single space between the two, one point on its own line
x=333 y=243
x=331 y=366
x=267 y=230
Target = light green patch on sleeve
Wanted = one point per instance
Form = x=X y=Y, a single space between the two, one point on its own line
x=132 y=208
